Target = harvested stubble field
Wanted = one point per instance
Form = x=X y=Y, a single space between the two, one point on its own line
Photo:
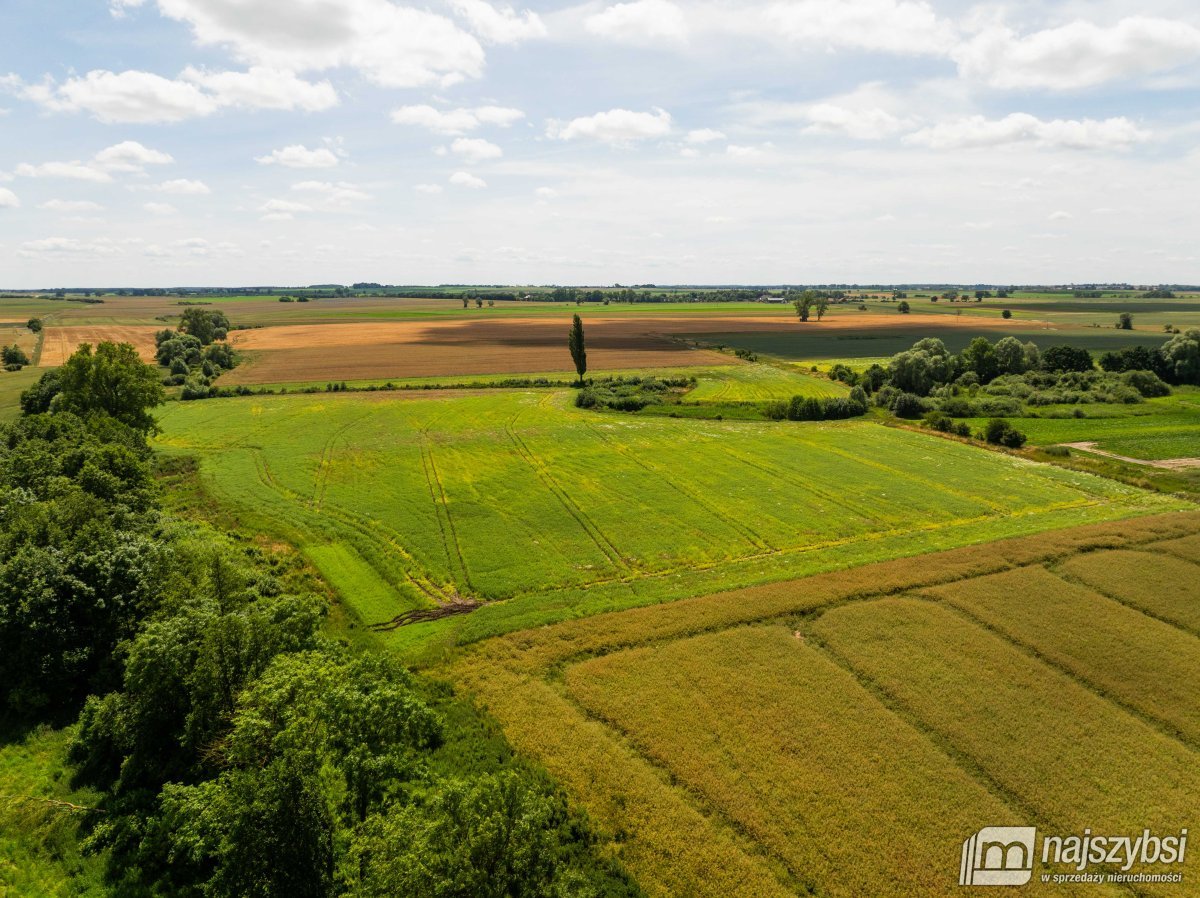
x=494 y=343
x=61 y=342
x=844 y=733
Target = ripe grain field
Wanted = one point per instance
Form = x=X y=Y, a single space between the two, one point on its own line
x=842 y=734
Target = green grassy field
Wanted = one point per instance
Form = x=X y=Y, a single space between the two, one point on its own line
x=1168 y=427
x=409 y=501
x=759 y=383
x=40 y=853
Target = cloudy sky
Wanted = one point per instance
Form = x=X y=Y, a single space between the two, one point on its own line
x=227 y=142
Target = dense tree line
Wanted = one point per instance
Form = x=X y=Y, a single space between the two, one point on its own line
x=1001 y=379
x=240 y=750
x=196 y=353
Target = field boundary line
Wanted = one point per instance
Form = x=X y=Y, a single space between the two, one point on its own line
x=940 y=742
x=1163 y=727
x=860 y=582
x=1068 y=577
x=698 y=801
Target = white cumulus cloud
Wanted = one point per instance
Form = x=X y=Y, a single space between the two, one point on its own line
x=499 y=25
x=77 y=171
x=335 y=194
x=8 y=199
x=475 y=149
x=615 y=126
x=388 y=43
x=466 y=179
x=299 y=156
x=456 y=121
x=903 y=27
x=130 y=156
x=183 y=187
x=70 y=206
x=1021 y=127
x=144 y=97
x=640 y=22
x=1079 y=54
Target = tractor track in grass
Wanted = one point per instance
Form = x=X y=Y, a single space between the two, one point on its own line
x=364 y=528
x=442 y=501
x=754 y=539
x=597 y=536
x=321 y=481
x=806 y=486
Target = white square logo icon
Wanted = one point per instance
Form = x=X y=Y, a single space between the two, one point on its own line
x=998 y=856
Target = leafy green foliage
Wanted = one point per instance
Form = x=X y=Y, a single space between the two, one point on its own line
x=78 y=572
x=37 y=399
x=1066 y=358
x=577 y=346
x=1000 y=433
x=1181 y=355
x=206 y=326
x=14 y=357
x=110 y=380
x=500 y=837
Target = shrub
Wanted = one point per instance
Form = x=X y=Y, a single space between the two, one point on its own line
x=939 y=421
x=1006 y=314
x=998 y=406
x=906 y=405
x=628 y=404
x=197 y=388
x=886 y=395
x=1147 y=383
x=805 y=408
x=1057 y=451
x=873 y=378
x=999 y=432
x=840 y=407
x=776 y=411
x=840 y=372
x=14 y=357
x=956 y=407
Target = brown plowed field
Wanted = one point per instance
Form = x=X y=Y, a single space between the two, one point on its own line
x=361 y=351
x=60 y=342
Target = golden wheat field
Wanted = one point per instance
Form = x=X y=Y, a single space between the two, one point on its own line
x=843 y=734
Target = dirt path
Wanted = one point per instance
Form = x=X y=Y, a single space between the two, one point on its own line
x=1170 y=464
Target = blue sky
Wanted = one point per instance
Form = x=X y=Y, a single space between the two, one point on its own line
x=227 y=142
